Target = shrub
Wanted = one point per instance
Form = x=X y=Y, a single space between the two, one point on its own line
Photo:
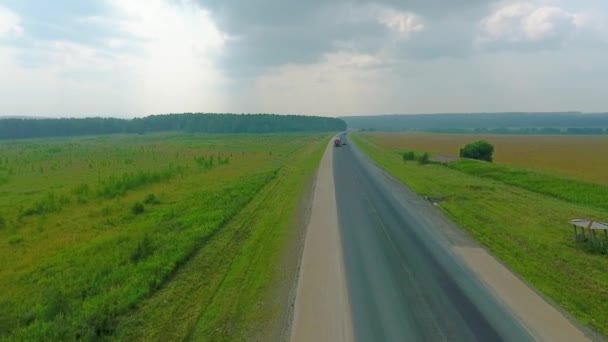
x=151 y=199
x=48 y=204
x=424 y=158
x=205 y=163
x=117 y=186
x=82 y=190
x=82 y=193
x=15 y=239
x=138 y=208
x=409 y=155
x=480 y=150
x=143 y=250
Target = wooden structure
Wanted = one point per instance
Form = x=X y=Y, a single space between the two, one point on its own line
x=591 y=227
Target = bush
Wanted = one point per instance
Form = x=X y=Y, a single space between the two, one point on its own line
x=424 y=158
x=480 y=150
x=138 y=208
x=151 y=199
x=409 y=155
x=118 y=186
x=15 y=239
x=143 y=250
x=49 y=204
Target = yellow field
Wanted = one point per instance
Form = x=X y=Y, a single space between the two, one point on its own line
x=582 y=157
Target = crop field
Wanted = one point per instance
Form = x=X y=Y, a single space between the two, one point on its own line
x=151 y=236
x=581 y=157
x=519 y=216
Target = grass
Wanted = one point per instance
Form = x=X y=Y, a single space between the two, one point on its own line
x=235 y=300
x=579 y=157
x=96 y=227
x=567 y=189
x=528 y=231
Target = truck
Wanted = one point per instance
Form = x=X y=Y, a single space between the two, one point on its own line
x=337 y=142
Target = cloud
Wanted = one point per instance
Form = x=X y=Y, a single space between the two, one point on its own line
x=271 y=33
x=527 y=25
x=402 y=22
x=10 y=23
x=329 y=57
x=153 y=56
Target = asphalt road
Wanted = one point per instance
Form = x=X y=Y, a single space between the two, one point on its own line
x=404 y=281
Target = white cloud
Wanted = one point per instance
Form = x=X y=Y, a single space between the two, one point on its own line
x=178 y=41
x=525 y=22
x=404 y=23
x=161 y=60
x=10 y=23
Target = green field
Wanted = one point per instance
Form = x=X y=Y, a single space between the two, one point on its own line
x=150 y=237
x=520 y=222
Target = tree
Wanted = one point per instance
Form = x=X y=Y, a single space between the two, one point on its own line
x=409 y=155
x=424 y=158
x=187 y=122
x=480 y=150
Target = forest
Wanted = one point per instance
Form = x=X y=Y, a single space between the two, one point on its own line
x=18 y=128
x=498 y=123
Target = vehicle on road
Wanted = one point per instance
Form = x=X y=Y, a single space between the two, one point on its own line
x=337 y=142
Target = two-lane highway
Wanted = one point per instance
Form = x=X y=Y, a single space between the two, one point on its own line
x=403 y=282
x=382 y=264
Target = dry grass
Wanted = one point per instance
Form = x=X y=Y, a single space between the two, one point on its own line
x=582 y=157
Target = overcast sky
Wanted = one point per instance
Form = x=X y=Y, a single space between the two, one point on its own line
x=325 y=57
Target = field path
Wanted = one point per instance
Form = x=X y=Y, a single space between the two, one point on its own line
x=322 y=310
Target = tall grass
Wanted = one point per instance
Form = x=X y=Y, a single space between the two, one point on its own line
x=75 y=257
x=50 y=203
x=80 y=260
x=118 y=186
x=568 y=189
x=101 y=286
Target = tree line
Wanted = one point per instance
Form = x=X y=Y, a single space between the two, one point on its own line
x=520 y=123
x=17 y=128
x=523 y=131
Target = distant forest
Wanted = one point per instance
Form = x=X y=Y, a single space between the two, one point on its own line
x=16 y=128
x=498 y=123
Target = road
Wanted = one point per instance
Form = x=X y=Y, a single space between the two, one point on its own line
x=410 y=273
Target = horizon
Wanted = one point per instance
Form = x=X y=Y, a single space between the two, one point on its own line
x=2 y=116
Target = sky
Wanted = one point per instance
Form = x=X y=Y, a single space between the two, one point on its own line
x=127 y=58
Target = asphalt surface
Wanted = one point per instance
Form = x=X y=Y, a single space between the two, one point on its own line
x=404 y=281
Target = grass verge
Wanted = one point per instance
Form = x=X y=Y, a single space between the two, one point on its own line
x=235 y=287
x=567 y=189
x=528 y=231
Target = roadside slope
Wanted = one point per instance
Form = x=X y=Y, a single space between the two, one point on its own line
x=322 y=310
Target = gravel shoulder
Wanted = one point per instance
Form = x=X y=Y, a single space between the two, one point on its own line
x=322 y=310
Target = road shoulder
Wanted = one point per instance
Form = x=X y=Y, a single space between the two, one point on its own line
x=322 y=309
